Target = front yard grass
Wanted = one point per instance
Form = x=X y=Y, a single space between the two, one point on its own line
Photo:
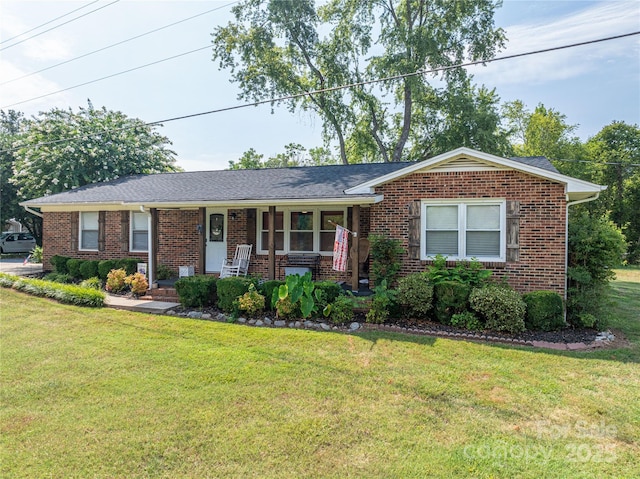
x=104 y=393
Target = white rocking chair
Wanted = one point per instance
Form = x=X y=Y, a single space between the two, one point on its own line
x=239 y=265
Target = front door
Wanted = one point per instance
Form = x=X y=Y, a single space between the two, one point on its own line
x=216 y=239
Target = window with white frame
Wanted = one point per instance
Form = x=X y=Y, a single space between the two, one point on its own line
x=301 y=230
x=89 y=230
x=464 y=229
x=139 y=236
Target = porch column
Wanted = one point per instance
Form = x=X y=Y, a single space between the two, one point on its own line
x=355 y=248
x=272 y=242
x=153 y=246
x=202 y=240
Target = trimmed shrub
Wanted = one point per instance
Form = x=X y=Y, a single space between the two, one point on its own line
x=138 y=283
x=59 y=264
x=502 y=308
x=88 y=269
x=230 y=289
x=130 y=265
x=105 y=266
x=466 y=320
x=267 y=288
x=196 y=291
x=73 y=267
x=115 y=280
x=94 y=283
x=252 y=303
x=544 y=311
x=341 y=310
x=415 y=294
x=164 y=272
x=331 y=289
x=450 y=297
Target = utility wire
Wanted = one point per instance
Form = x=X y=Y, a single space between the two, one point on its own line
x=336 y=88
x=47 y=23
x=109 y=76
x=120 y=42
x=57 y=26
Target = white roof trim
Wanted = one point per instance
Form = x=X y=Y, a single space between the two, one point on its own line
x=573 y=185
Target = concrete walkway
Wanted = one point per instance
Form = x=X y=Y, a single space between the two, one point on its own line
x=139 y=305
x=16 y=266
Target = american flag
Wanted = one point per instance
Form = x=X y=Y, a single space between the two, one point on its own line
x=340 y=249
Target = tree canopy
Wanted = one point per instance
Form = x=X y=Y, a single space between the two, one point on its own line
x=61 y=149
x=303 y=53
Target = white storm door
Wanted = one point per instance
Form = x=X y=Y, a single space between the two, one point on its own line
x=216 y=239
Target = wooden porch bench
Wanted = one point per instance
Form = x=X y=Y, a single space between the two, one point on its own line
x=311 y=261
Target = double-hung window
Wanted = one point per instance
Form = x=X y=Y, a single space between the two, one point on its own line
x=139 y=237
x=279 y=233
x=89 y=230
x=464 y=229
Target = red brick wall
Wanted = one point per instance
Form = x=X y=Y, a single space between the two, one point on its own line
x=542 y=220
x=178 y=239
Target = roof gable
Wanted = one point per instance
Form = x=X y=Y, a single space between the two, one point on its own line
x=467 y=159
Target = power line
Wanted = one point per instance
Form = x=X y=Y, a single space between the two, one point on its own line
x=109 y=76
x=597 y=162
x=332 y=89
x=58 y=26
x=47 y=23
x=120 y=42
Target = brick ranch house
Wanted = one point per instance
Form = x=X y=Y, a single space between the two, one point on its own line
x=509 y=213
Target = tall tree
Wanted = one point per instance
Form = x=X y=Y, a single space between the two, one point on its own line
x=61 y=150
x=616 y=154
x=278 y=48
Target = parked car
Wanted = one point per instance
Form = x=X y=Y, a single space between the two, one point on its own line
x=17 y=243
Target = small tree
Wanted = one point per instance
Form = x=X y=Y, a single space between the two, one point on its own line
x=385 y=259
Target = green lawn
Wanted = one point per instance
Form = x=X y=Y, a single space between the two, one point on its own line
x=103 y=393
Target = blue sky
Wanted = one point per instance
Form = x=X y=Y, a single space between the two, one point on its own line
x=592 y=85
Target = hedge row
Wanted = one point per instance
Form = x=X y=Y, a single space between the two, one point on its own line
x=84 y=269
x=65 y=293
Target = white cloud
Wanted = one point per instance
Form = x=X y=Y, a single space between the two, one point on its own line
x=602 y=20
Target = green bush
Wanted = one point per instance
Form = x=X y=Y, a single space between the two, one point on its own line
x=330 y=288
x=466 y=320
x=65 y=293
x=415 y=294
x=341 y=310
x=105 y=266
x=230 y=289
x=88 y=269
x=36 y=254
x=130 y=265
x=73 y=267
x=467 y=272
x=596 y=246
x=164 y=272
x=502 y=308
x=450 y=297
x=381 y=304
x=196 y=291
x=59 y=278
x=544 y=311
x=266 y=289
x=385 y=258
x=59 y=264
x=94 y=283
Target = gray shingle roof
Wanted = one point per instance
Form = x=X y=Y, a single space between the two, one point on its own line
x=537 y=161
x=306 y=183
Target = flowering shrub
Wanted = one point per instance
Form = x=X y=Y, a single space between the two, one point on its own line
x=251 y=302
x=116 y=280
x=138 y=283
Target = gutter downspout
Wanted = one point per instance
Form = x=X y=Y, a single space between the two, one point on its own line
x=33 y=212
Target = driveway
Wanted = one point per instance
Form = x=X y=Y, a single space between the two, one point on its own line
x=16 y=266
